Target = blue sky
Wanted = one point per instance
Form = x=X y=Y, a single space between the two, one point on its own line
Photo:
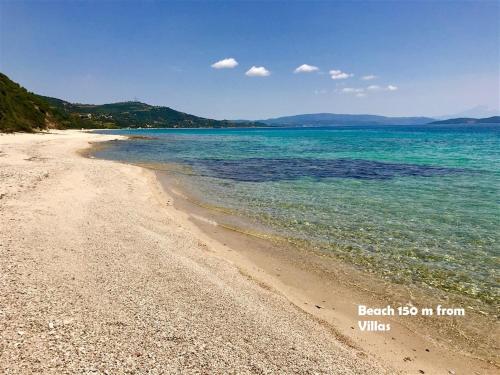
x=429 y=58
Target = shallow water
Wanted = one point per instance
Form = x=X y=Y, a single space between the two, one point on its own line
x=417 y=205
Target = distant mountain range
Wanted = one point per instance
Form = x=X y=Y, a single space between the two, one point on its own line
x=326 y=119
x=468 y=120
x=479 y=111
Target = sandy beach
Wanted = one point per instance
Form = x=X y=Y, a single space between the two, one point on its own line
x=103 y=271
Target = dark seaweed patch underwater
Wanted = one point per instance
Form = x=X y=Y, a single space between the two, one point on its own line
x=277 y=169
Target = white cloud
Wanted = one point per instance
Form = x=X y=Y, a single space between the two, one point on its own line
x=258 y=71
x=368 y=77
x=353 y=90
x=338 y=74
x=320 y=92
x=228 y=63
x=360 y=94
x=380 y=88
x=305 y=68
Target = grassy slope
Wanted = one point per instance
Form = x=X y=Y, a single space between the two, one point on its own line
x=21 y=110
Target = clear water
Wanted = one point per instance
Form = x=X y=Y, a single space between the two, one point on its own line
x=417 y=205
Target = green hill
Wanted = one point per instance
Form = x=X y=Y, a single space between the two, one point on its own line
x=21 y=110
x=137 y=114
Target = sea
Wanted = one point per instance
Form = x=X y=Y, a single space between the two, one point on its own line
x=416 y=205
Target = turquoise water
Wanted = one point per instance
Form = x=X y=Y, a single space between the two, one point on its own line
x=417 y=205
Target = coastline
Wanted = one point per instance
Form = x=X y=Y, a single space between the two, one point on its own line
x=330 y=290
x=300 y=275
x=139 y=268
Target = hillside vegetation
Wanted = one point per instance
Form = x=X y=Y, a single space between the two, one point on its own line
x=21 y=110
x=137 y=114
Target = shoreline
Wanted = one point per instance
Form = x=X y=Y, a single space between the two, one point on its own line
x=330 y=290
x=407 y=347
x=100 y=275
x=150 y=250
